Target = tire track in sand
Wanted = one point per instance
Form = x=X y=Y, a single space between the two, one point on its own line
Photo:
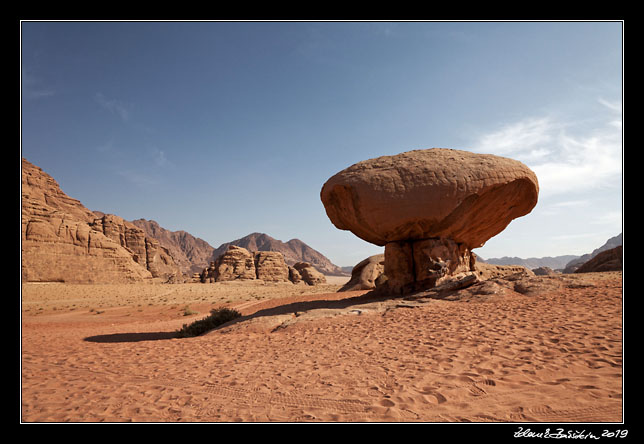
x=238 y=395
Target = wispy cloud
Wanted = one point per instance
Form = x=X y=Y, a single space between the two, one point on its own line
x=557 y=208
x=572 y=236
x=159 y=158
x=613 y=106
x=611 y=218
x=32 y=87
x=138 y=178
x=114 y=106
x=565 y=155
x=148 y=171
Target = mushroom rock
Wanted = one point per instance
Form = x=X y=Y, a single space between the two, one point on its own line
x=429 y=209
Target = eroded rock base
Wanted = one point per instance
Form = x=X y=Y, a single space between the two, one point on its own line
x=422 y=264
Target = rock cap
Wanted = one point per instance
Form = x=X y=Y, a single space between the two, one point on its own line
x=430 y=193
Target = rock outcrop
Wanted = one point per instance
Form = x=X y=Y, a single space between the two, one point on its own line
x=544 y=271
x=309 y=274
x=63 y=241
x=294 y=251
x=190 y=253
x=365 y=274
x=238 y=263
x=429 y=208
x=607 y=260
x=145 y=250
x=270 y=266
x=611 y=243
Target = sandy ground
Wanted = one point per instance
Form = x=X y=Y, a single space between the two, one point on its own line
x=106 y=353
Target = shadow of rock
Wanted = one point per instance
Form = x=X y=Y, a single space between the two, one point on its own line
x=337 y=304
x=132 y=337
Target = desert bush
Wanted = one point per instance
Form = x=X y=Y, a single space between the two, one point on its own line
x=187 y=311
x=217 y=317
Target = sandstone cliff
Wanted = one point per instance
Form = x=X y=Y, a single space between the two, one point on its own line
x=191 y=253
x=294 y=251
x=237 y=263
x=64 y=241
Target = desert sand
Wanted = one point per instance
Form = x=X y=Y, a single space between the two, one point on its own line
x=106 y=353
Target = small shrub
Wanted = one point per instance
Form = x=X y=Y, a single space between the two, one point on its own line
x=187 y=311
x=218 y=316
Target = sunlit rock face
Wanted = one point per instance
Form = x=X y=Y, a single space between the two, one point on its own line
x=429 y=208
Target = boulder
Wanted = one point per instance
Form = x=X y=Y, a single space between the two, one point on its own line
x=294 y=275
x=309 y=274
x=486 y=271
x=434 y=193
x=365 y=274
x=429 y=208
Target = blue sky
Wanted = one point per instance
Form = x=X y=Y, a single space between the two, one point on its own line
x=226 y=128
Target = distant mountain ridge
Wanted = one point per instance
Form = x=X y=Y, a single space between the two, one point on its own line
x=191 y=253
x=611 y=243
x=556 y=262
x=567 y=263
x=294 y=251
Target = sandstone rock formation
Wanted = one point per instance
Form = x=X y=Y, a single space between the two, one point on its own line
x=145 y=250
x=63 y=241
x=429 y=208
x=309 y=274
x=294 y=275
x=491 y=271
x=270 y=266
x=190 y=253
x=544 y=271
x=607 y=260
x=238 y=263
x=294 y=251
x=365 y=273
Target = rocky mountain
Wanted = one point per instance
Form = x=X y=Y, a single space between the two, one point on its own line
x=610 y=244
x=556 y=262
x=607 y=260
x=191 y=253
x=63 y=241
x=294 y=251
x=566 y=263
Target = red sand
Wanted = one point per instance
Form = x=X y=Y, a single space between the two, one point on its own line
x=551 y=357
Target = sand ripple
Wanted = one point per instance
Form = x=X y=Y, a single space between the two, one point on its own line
x=551 y=356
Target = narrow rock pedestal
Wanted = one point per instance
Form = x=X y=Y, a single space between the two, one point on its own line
x=422 y=264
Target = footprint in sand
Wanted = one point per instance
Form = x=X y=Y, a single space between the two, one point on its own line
x=440 y=399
